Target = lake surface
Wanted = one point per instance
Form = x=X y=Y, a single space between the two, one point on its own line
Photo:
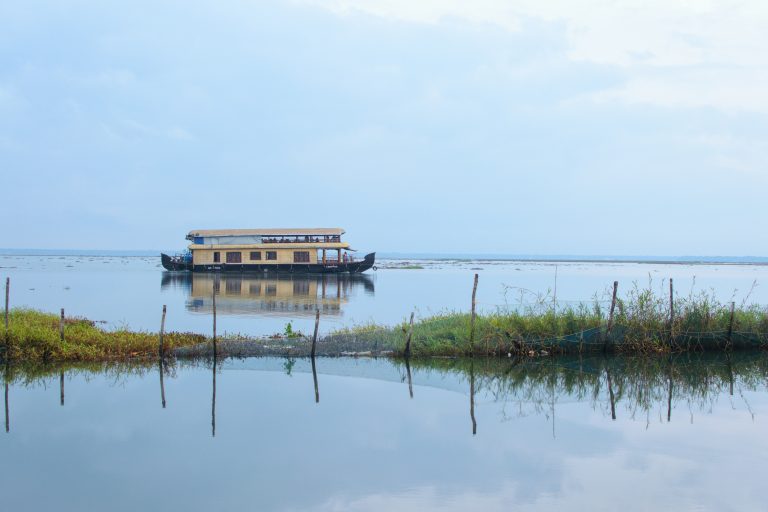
x=689 y=434
x=130 y=291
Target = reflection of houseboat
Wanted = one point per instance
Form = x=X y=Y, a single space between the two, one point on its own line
x=317 y=250
x=255 y=293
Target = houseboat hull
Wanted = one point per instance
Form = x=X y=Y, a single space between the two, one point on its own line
x=351 y=267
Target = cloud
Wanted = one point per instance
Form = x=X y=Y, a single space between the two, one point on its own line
x=492 y=12
x=674 y=54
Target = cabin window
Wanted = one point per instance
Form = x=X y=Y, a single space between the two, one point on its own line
x=217 y=257
x=234 y=257
x=301 y=256
x=271 y=255
x=255 y=255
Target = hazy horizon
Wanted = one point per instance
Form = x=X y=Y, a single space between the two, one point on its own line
x=748 y=259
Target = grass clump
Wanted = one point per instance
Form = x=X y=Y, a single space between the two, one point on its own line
x=643 y=322
x=34 y=336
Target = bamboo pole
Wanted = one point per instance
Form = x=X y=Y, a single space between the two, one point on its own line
x=161 y=348
x=671 y=312
x=472 y=319
x=554 y=295
x=61 y=325
x=314 y=336
x=610 y=316
x=214 y=321
x=7 y=296
x=730 y=325
x=407 y=353
x=671 y=304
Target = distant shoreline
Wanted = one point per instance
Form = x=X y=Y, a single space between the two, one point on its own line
x=654 y=260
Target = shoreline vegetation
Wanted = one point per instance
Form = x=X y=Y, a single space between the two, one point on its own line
x=641 y=322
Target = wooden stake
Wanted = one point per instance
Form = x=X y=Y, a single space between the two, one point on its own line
x=610 y=315
x=671 y=305
x=408 y=340
x=161 y=349
x=61 y=389
x=61 y=325
x=472 y=320
x=7 y=295
x=214 y=323
x=554 y=295
x=314 y=336
x=730 y=324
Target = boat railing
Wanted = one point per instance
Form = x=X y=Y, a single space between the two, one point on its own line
x=301 y=240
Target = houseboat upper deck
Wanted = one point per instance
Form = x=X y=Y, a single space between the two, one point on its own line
x=308 y=250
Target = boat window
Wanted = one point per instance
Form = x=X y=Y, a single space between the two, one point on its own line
x=216 y=257
x=301 y=256
x=255 y=255
x=234 y=257
x=271 y=255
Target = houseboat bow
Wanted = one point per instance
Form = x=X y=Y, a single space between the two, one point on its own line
x=315 y=250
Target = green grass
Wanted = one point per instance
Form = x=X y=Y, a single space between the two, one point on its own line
x=641 y=324
x=34 y=336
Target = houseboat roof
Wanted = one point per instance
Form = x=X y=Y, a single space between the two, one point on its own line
x=266 y=232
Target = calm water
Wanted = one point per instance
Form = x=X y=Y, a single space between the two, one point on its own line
x=130 y=291
x=688 y=434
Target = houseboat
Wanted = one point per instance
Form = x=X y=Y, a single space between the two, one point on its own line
x=307 y=250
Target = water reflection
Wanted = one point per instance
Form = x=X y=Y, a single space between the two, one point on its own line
x=633 y=386
x=213 y=400
x=348 y=452
x=272 y=294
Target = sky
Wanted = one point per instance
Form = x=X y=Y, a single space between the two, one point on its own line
x=511 y=127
